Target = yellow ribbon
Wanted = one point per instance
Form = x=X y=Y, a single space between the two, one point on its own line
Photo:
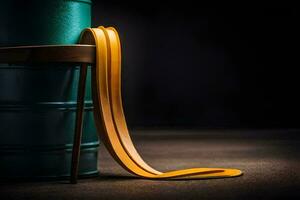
x=109 y=115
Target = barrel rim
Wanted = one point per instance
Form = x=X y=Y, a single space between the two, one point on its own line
x=82 y=1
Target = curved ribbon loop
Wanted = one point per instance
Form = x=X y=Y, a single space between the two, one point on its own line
x=109 y=115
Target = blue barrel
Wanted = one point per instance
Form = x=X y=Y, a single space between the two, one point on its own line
x=38 y=102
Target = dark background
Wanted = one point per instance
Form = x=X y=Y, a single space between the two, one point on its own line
x=188 y=65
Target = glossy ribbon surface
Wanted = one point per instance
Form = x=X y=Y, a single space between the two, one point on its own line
x=110 y=118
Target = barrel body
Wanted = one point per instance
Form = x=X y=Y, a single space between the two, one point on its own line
x=38 y=102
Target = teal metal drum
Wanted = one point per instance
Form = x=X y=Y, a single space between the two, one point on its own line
x=38 y=102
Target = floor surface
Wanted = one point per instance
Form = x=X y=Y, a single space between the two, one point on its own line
x=270 y=160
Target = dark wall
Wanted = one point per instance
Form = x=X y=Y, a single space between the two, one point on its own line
x=207 y=65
